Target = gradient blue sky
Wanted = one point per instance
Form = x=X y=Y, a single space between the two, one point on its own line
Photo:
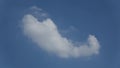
x=98 y=17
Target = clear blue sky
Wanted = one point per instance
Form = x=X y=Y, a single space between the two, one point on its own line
x=98 y=17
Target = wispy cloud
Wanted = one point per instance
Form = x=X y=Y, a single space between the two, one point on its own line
x=46 y=35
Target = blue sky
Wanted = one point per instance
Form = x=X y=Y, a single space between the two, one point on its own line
x=96 y=17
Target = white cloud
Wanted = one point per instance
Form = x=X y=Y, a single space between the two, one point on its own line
x=35 y=8
x=46 y=35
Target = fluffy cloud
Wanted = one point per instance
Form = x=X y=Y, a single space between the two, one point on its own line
x=46 y=35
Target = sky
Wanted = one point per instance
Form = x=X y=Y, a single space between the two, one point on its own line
x=59 y=34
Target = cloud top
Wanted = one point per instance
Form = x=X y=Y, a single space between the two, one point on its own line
x=46 y=35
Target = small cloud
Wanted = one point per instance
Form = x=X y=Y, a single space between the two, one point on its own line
x=35 y=8
x=72 y=28
x=39 y=13
x=46 y=35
